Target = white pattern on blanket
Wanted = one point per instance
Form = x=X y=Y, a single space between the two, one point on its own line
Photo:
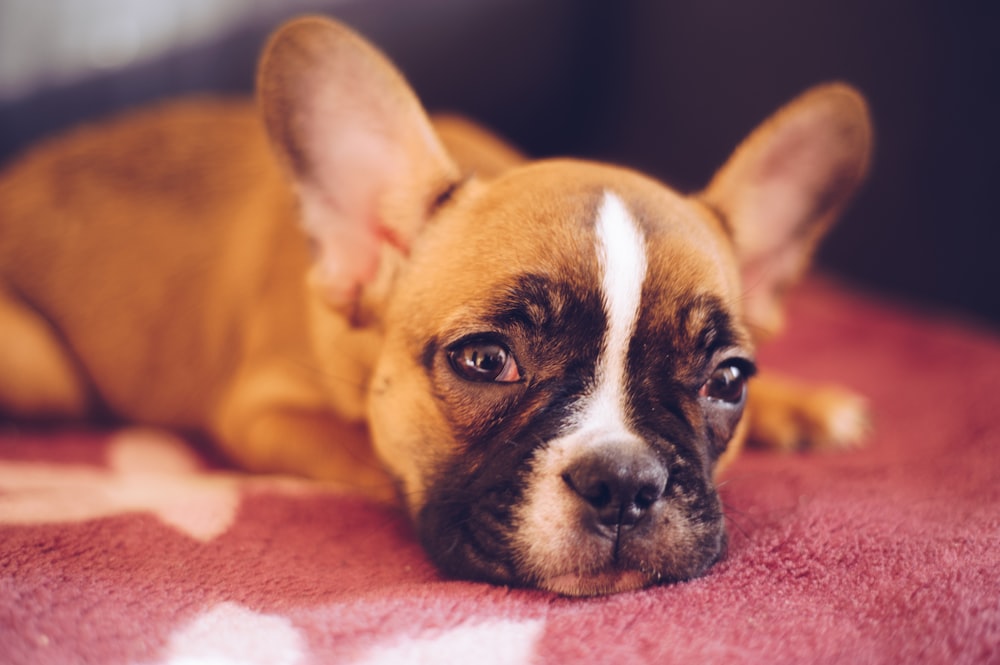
x=148 y=471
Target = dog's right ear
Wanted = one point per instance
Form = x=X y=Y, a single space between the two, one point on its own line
x=359 y=147
x=784 y=186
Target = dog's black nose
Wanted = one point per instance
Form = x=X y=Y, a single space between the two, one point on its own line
x=620 y=485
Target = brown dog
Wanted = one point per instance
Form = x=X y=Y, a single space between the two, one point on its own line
x=551 y=357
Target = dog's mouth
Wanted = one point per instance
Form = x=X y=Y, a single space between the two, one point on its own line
x=541 y=533
x=677 y=562
x=672 y=545
x=573 y=560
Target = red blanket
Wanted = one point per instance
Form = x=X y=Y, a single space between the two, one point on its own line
x=129 y=547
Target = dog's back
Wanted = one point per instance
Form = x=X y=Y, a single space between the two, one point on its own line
x=159 y=210
x=180 y=208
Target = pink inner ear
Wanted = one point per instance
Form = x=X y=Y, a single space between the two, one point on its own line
x=778 y=211
x=359 y=145
x=347 y=260
x=800 y=175
x=783 y=186
x=789 y=151
x=765 y=281
x=350 y=172
x=784 y=198
x=795 y=178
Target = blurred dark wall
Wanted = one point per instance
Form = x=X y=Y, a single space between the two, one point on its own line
x=671 y=88
x=701 y=74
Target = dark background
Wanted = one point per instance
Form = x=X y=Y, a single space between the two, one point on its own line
x=670 y=88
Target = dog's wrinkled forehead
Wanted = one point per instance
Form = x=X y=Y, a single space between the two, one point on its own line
x=608 y=268
x=662 y=264
x=660 y=295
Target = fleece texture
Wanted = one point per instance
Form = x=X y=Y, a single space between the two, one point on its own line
x=130 y=547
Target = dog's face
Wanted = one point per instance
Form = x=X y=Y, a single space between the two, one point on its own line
x=565 y=347
x=564 y=363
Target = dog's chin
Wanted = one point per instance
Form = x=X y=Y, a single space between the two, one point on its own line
x=621 y=576
x=596 y=584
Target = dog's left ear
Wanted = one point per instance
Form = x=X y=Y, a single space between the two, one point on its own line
x=784 y=186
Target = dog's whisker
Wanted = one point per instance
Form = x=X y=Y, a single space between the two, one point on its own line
x=737 y=525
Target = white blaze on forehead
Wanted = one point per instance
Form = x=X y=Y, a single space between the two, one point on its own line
x=621 y=254
x=548 y=536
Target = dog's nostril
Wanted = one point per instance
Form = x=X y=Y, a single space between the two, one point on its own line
x=648 y=495
x=598 y=494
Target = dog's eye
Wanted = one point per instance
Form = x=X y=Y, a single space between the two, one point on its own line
x=728 y=383
x=484 y=361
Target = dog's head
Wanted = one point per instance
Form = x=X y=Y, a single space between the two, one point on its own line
x=565 y=346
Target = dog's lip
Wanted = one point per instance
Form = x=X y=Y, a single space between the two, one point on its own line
x=596 y=584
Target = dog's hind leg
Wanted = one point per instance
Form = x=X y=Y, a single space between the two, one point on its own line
x=38 y=378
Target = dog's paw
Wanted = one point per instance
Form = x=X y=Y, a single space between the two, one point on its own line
x=787 y=415
x=834 y=418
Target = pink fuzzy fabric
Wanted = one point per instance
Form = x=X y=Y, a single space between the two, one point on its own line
x=127 y=547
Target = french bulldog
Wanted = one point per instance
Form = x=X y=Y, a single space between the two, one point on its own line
x=547 y=361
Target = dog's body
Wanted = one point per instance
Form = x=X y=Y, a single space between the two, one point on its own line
x=551 y=357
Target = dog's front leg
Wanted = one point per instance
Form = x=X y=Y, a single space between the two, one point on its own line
x=787 y=414
x=264 y=427
x=39 y=378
